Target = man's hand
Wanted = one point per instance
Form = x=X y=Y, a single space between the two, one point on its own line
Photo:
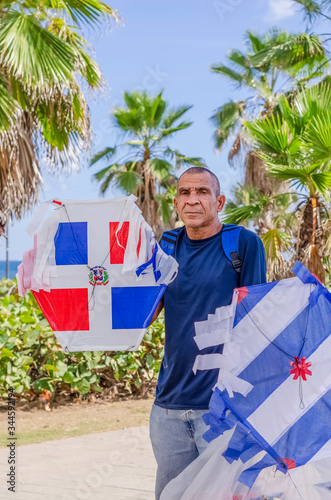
x=157 y=311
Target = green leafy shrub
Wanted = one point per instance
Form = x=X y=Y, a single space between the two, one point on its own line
x=32 y=361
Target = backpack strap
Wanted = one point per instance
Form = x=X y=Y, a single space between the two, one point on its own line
x=168 y=241
x=230 y=244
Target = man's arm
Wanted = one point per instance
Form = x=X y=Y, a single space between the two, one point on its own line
x=254 y=266
x=157 y=311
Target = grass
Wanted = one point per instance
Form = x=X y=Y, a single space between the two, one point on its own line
x=36 y=426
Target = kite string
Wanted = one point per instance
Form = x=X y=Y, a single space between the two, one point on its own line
x=78 y=249
x=264 y=335
x=304 y=340
x=92 y=296
x=295 y=486
x=74 y=236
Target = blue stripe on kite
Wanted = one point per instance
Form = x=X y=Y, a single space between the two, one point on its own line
x=256 y=293
x=71 y=244
x=274 y=364
x=302 y=441
x=133 y=307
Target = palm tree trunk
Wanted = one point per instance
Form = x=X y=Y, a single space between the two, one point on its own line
x=146 y=201
x=309 y=241
x=256 y=174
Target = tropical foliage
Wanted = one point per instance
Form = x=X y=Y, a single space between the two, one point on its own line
x=145 y=163
x=274 y=63
x=45 y=63
x=295 y=145
x=33 y=363
x=277 y=70
x=314 y=9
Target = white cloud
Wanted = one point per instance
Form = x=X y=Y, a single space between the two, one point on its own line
x=280 y=9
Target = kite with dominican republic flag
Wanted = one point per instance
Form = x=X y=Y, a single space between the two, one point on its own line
x=96 y=272
x=274 y=384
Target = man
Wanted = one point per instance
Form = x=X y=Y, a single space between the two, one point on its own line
x=206 y=280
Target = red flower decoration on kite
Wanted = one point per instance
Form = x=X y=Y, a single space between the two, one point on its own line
x=300 y=368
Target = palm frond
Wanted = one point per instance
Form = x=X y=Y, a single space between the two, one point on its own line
x=275 y=242
x=164 y=207
x=237 y=57
x=89 y=12
x=174 y=115
x=311 y=8
x=297 y=177
x=106 y=154
x=227 y=119
x=256 y=42
x=9 y=107
x=322 y=182
x=107 y=179
x=274 y=135
x=244 y=214
x=105 y=171
x=160 y=167
x=226 y=71
x=182 y=159
x=168 y=131
x=296 y=50
x=128 y=181
x=20 y=176
x=32 y=53
x=318 y=137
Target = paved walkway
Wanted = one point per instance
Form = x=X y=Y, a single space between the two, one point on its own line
x=116 y=465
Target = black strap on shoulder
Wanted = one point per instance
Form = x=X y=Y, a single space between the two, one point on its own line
x=168 y=241
x=230 y=243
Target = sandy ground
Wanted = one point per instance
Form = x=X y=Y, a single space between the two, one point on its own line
x=39 y=425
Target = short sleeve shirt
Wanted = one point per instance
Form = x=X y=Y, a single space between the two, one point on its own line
x=205 y=281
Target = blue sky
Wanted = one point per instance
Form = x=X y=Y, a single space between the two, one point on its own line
x=170 y=45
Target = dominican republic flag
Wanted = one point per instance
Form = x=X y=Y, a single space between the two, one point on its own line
x=275 y=373
x=97 y=273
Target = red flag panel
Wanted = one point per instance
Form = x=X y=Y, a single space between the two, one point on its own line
x=118 y=245
x=65 y=309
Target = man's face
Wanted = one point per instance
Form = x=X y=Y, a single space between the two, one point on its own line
x=196 y=203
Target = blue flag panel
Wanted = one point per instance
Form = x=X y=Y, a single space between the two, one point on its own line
x=130 y=305
x=71 y=244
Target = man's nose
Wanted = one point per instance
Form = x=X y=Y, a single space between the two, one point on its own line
x=193 y=198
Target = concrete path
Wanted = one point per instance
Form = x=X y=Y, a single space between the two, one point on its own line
x=116 y=465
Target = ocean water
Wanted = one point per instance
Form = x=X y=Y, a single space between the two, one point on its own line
x=12 y=268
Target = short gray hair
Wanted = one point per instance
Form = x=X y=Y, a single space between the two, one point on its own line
x=201 y=170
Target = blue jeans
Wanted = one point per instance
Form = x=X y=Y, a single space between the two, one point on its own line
x=176 y=437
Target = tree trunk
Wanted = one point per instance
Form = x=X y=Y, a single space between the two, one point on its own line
x=256 y=174
x=146 y=200
x=310 y=239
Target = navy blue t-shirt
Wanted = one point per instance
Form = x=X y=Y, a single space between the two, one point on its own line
x=206 y=280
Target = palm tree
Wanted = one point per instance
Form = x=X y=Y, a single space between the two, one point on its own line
x=145 y=163
x=274 y=63
x=295 y=145
x=44 y=64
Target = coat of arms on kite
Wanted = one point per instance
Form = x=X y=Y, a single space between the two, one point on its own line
x=96 y=271
x=273 y=392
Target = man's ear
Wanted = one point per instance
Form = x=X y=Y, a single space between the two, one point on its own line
x=221 y=202
x=175 y=203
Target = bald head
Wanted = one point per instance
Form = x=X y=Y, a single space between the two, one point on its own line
x=203 y=170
